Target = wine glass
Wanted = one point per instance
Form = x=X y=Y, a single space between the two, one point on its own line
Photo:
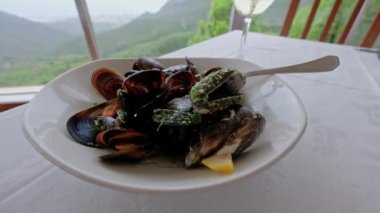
x=249 y=8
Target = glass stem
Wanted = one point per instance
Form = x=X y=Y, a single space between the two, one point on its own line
x=247 y=24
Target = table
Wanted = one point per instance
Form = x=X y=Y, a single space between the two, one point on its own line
x=334 y=168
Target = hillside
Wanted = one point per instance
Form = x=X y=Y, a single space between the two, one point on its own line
x=176 y=16
x=21 y=38
x=149 y=34
x=73 y=27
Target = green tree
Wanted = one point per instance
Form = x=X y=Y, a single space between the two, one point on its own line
x=218 y=21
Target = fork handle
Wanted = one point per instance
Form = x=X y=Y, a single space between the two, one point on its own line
x=324 y=64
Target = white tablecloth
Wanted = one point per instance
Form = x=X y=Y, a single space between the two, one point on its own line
x=334 y=168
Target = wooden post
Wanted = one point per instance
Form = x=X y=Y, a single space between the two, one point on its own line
x=310 y=19
x=351 y=21
x=330 y=20
x=372 y=34
x=289 y=17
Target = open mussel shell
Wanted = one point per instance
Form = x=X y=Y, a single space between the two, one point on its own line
x=144 y=83
x=231 y=82
x=130 y=72
x=85 y=129
x=177 y=112
x=232 y=134
x=180 y=83
x=176 y=85
x=175 y=140
x=189 y=67
x=250 y=129
x=85 y=125
x=207 y=72
x=147 y=63
x=129 y=144
x=213 y=138
x=251 y=125
x=107 y=82
x=128 y=152
x=112 y=137
x=217 y=91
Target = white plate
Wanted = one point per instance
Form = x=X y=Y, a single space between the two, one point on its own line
x=46 y=115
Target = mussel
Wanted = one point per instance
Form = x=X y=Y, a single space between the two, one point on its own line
x=234 y=133
x=128 y=143
x=173 y=110
x=213 y=138
x=144 y=83
x=147 y=63
x=85 y=125
x=107 y=82
x=179 y=84
x=217 y=91
x=188 y=67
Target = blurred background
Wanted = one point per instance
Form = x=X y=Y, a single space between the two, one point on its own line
x=41 y=39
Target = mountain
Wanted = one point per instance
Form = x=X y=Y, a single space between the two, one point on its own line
x=21 y=38
x=149 y=35
x=175 y=17
x=73 y=27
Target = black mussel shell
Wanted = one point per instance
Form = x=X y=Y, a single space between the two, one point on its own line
x=250 y=128
x=147 y=63
x=85 y=129
x=209 y=71
x=129 y=144
x=112 y=137
x=130 y=72
x=189 y=67
x=176 y=140
x=213 y=138
x=86 y=124
x=179 y=84
x=145 y=83
x=128 y=152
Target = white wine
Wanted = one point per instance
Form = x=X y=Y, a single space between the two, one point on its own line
x=248 y=8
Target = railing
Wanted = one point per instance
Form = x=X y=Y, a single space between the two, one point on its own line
x=368 y=40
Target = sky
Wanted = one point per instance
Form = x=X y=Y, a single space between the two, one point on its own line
x=45 y=10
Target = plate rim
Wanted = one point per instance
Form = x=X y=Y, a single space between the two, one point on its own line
x=129 y=188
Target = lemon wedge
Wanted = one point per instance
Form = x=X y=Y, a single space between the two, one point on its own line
x=219 y=163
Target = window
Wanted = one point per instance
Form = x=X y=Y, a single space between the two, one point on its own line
x=145 y=27
x=37 y=41
x=41 y=39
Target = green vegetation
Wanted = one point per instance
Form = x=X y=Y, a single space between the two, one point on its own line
x=40 y=73
x=320 y=20
x=156 y=47
x=271 y=21
x=372 y=9
x=218 y=21
x=148 y=35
